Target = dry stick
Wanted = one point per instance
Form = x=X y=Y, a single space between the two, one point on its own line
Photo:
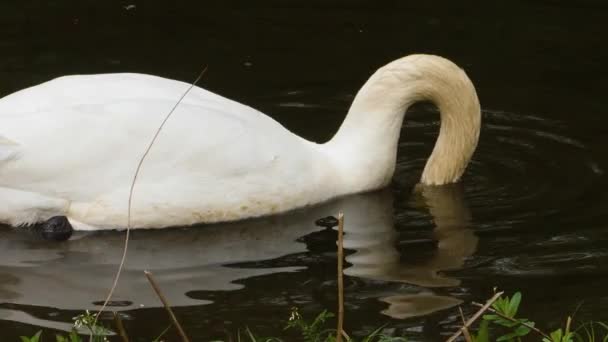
x=141 y=161
x=568 y=323
x=121 y=328
x=340 y=278
x=162 y=298
x=478 y=314
x=467 y=335
x=516 y=321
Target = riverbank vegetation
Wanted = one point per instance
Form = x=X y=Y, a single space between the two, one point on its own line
x=498 y=319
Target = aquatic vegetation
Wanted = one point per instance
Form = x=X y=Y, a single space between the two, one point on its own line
x=316 y=330
x=34 y=338
x=311 y=331
x=498 y=321
x=85 y=321
x=503 y=324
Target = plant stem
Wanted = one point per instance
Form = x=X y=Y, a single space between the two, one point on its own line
x=340 y=278
x=121 y=328
x=162 y=298
x=467 y=335
x=131 y=191
x=531 y=327
x=475 y=317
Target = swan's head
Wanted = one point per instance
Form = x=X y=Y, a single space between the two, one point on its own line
x=369 y=135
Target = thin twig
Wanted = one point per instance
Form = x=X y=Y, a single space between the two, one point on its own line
x=516 y=321
x=478 y=314
x=137 y=170
x=163 y=299
x=158 y=338
x=467 y=335
x=121 y=328
x=340 y=330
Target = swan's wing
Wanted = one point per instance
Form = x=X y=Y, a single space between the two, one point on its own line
x=9 y=150
x=84 y=135
x=90 y=90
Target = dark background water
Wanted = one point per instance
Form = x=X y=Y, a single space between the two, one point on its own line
x=530 y=213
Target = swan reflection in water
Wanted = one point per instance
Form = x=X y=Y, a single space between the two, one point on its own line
x=77 y=274
x=372 y=235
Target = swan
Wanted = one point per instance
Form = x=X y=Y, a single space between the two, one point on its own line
x=69 y=147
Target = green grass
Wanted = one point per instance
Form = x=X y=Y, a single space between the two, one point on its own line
x=316 y=330
x=501 y=322
x=504 y=324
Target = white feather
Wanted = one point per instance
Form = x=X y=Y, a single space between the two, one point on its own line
x=8 y=150
x=78 y=139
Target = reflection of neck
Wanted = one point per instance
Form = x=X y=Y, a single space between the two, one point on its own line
x=452 y=218
x=376 y=256
x=365 y=146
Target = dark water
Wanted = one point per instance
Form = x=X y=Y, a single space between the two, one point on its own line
x=529 y=215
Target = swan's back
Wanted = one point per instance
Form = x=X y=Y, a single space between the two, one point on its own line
x=92 y=112
x=91 y=130
x=68 y=91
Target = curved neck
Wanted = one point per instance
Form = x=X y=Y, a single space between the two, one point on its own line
x=365 y=147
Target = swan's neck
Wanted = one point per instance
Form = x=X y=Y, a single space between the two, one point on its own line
x=365 y=147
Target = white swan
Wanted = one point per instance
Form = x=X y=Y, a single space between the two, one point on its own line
x=69 y=147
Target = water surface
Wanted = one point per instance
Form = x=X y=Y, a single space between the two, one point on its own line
x=530 y=213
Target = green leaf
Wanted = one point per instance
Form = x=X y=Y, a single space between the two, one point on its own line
x=514 y=304
x=522 y=330
x=506 y=323
x=483 y=334
x=500 y=304
x=34 y=338
x=556 y=336
x=507 y=337
x=74 y=337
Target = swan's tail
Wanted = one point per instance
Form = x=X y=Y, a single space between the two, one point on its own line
x=24 y=208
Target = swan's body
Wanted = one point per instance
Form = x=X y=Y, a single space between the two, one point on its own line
x=71 y=146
